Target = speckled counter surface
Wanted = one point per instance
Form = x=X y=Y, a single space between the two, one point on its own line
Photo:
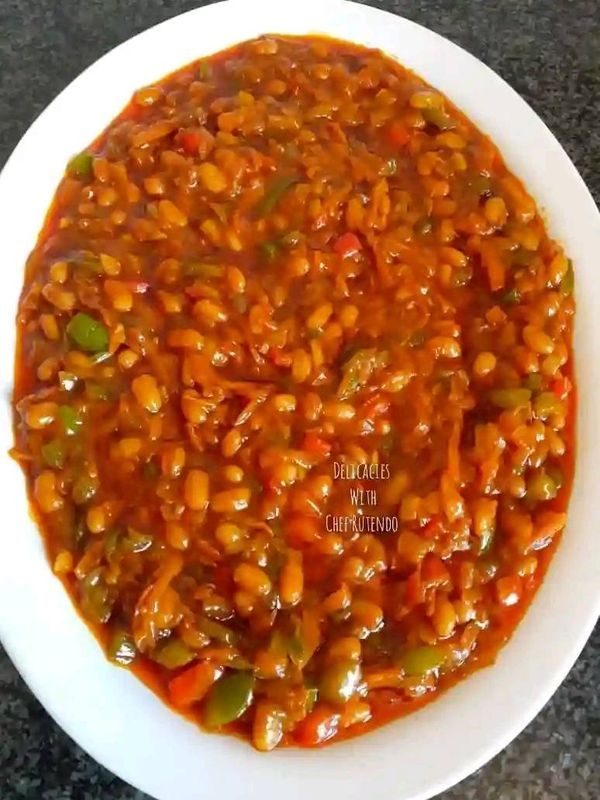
x=549 y=51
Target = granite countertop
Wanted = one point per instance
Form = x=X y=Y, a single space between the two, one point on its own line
x=548 y=50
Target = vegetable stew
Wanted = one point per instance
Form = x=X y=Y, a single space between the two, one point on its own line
x=293 y=390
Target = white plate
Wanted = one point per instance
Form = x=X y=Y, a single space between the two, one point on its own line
x=106 y=710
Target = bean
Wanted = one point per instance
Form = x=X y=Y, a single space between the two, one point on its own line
x=444 y=618
x=46 y=492
x=232 y=441
x=412 y=547
x=366 y=617
x=230 y=500
x=193 y=407
x=301 y=366
x=508 y=590
x=196 y=489
x=537 y=340
x=546 y=404
x=291 y=581
x=541 y=487
x=495 y=211
x=49 y=326
x=40 y=415
x=284 y=402
x=252 y=579
x=185 y=338
x=319 y=317
x=173 y=461
x=148 y=96
x=484 y=364
x=147 y=393
x=96 y=519
x=341 y=412
x=267 y=728
x=425 y=98
x=347 y=648
x=177 y=536
x=212 y=177
x=236 y=280
x=169 y=214
x=445 y=347
x=62 y=299
x=230 y=537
